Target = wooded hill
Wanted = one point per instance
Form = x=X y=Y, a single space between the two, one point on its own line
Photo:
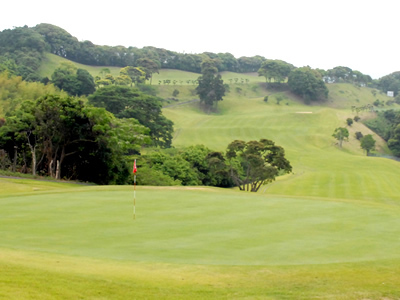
x=22 y=50
x=142 y=91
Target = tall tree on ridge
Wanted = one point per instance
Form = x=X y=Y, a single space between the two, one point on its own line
x=211 y=87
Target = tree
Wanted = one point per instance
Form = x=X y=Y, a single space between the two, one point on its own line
x=211 y=87
x=277 y=70
x=349 y=121
x=86 y=82
x=126 y=102
x=255 y=163
x=394 y=140
x=341 y=74
x=68 y=139
x=175 y=166
x=390 y=82
x=149 y=66
x=368 y=143
x=358 y=135
x=341 y=134
x=136 y=74
x=24 y=49
x=76 y=82
x=308 y=84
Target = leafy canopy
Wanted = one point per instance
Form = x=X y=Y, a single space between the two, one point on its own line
x=255 y=163
x=126 y=102
x=211 y=87
x=308 y=84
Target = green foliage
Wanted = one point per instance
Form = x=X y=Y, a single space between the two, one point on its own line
x=386 y=125
x=349 y=121
x=60 y=42
x=150 y=59
x=308 y=84
x=175 y=93
x=357 y=118
x=253 y=164
x=211 y=87
x=125 y=102
x=390 y=82
x=149 y=66
x=13 y=90
x=394 y=141
x=21 y=52
x=9 y=65
x=379 y=103
x=341 y=134
x=345 y=74
x=64 y=138
x=276 y=70
x=154 y=177
x=194 y=165
x=358 y=135
x=136 y=74
x=174 y=166
x=75 y=82
x=368 y=143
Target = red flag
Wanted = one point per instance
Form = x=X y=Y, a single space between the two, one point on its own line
x=134 y=167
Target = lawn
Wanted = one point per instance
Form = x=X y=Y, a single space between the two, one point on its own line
x=194 y=242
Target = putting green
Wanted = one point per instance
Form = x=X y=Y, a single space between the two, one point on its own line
x=199 y=226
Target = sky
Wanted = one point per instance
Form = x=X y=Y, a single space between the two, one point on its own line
x=361 y=35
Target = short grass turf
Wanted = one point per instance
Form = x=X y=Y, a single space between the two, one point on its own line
x=199 y=226
x=201 y=243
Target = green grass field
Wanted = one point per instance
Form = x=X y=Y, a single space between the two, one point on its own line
x=329 y=230
x=82 y=242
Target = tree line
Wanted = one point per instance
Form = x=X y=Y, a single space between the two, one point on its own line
x=22 y=50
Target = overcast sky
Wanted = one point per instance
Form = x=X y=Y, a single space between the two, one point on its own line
x=362 y=35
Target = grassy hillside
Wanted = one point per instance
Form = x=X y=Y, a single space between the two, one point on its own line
x=329 y=230
x=52 y=61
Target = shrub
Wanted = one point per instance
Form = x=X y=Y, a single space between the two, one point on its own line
x=349 y=121
x=175 y=93
x=359 y=135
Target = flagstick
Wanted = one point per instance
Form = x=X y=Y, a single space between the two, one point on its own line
x=134 y=197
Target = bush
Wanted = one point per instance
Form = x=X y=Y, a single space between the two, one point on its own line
x=147 y=89
x=357 y=118
x=359 y=135
x=349 y=121
x=175 y=93
x=153 y=177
